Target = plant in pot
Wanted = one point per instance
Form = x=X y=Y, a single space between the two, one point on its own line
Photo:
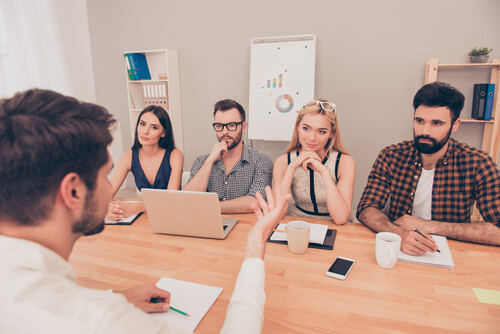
x=479 y=55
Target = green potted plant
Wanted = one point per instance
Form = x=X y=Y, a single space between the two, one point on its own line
x=479 y=55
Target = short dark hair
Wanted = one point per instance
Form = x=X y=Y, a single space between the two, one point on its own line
x=440 y=94
x=43 y=137
x=227 y=104
x=166 y=142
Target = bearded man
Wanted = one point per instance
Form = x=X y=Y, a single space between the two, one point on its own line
x=432 y=181
x=231 y=169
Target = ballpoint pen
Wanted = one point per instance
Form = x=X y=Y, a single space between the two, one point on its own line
x=156 y=301
x=414 y=229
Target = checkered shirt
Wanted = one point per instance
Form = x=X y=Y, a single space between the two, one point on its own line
x=464 y=175
x=251 y=174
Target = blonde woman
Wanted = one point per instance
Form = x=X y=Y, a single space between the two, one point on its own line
x=316 y=168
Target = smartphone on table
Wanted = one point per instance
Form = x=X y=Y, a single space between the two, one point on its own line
x=340 y=268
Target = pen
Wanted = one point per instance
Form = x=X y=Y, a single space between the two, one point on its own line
x=156 y=301
x=282 y=231
x=414 y=229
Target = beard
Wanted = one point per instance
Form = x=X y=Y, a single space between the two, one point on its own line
x=234 y=141
x=430 y=148
x=91 y=222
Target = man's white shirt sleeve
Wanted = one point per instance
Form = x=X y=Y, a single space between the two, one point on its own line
x=245 y=313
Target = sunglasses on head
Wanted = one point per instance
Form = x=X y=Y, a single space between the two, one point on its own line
x=326 y=106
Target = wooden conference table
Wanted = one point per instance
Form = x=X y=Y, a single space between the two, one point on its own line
x=409 y=298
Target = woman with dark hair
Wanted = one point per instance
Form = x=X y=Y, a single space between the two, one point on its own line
x=153 y=160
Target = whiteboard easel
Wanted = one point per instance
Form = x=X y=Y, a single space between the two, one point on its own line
x=281 y=79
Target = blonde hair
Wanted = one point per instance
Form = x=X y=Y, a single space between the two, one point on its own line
x=333 y=143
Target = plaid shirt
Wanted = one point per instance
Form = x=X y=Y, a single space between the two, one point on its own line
x=251 y=174
x=462 y=176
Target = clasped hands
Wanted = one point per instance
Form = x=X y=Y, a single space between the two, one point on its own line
x=411 y=242
x=119 y=210
x=308 y=159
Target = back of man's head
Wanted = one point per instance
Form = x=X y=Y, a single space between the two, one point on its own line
x=440 y=94
x=43 y=137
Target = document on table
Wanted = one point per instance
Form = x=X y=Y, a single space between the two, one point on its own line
x=125 y=221
x=442 y=259
x=194 y=299
x=316 y=235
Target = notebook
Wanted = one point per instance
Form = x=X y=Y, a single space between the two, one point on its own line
x=188 y=213
x=316 y=236
x=442 y=259
x=327 y=243
x=125 y=221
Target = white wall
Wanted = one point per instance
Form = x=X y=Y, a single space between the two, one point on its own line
x=73 y=20
x=370 y=58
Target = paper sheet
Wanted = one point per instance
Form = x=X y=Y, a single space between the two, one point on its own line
x=442 y=259
x=194 y=299
x=128 y=219
x=487 y=296
x=316 y=236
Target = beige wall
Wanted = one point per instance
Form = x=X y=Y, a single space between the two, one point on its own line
x=370 y=58
x=72 y=17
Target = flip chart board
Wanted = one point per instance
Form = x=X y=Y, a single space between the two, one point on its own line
x=281 y=79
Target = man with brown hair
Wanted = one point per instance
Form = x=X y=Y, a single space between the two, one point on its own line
x=231 y=169
x=54 y=189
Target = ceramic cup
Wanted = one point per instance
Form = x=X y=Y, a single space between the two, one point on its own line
x=387 y=247
x=297 y=233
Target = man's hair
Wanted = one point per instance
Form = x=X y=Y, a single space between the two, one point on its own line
x=167 y=142
x=227 y=104
x=43 y=137
x=440 y=94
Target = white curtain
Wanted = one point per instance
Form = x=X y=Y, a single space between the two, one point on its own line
x=31 y=48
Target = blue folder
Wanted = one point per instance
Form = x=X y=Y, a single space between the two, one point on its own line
x=139 y=66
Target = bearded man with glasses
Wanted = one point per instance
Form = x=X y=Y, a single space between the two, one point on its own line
x=231 y=169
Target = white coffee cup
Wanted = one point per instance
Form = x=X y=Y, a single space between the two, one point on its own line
x=297 y=233
x=387 y=247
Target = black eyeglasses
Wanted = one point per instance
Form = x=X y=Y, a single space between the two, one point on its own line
x=230 y=126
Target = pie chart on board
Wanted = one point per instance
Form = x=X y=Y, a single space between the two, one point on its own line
x=284 y=103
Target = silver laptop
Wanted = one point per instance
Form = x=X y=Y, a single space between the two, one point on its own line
x=189 y=213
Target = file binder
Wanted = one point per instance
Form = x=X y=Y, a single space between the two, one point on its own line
x=488 y=108
x=139 y=66
x=479 y=101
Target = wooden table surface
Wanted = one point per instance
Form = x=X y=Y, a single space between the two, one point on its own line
x=409 y=298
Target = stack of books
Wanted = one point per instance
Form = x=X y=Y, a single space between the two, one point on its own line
x=482 y=101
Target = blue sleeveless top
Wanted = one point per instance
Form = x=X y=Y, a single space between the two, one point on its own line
x=162 y=176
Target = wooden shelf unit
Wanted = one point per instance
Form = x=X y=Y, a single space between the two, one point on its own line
x=491 y=134
x=159 y=62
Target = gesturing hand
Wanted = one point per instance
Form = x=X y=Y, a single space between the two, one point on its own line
x=268 y=215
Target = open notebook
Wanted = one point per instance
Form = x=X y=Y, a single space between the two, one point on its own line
x=442 y=259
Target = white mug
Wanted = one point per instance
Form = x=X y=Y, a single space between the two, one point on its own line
x=387 y=247
x=297 y=233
